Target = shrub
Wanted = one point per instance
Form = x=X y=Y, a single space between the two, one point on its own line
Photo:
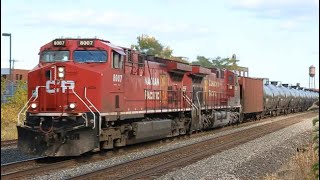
x=315 y=166
x=10 y=110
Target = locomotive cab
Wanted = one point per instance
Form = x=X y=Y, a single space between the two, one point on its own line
x=65 y=96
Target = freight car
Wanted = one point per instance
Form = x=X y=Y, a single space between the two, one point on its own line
x=89 y=94
x=260 y=98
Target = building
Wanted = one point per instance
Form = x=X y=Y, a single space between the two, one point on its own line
x=17 y=75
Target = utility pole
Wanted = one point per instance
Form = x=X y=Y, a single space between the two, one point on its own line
x=9 y=35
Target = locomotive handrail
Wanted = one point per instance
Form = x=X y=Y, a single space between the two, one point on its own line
x=22 y=110
x=197 y=93
x=85 y=95
x=189 y=101
x=94 y=116
x=197 y=96
x=24 y=107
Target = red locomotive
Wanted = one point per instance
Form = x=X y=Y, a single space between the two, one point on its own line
x=88 y=94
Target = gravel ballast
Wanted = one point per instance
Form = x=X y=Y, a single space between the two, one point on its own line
x=13 y=154
x=251 y=160
x=67 y=173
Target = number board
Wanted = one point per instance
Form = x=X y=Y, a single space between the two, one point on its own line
x=59 y=43
x=86 y=43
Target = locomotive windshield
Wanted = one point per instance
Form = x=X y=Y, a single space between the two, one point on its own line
x=52 y=56
x=90 y=56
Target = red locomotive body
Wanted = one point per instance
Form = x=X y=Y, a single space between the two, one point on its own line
x=88 y=94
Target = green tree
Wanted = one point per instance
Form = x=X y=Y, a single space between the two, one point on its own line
x=20 y=96
x=219 y=62
x=232 y=63
x=203 y=61
x=151 y=46
x=227 y=63
x=10 y=110
x=166 y=52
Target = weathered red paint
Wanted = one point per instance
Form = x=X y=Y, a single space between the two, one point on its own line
x=139 y=85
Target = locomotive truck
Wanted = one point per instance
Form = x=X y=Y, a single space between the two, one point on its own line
x=89 y=94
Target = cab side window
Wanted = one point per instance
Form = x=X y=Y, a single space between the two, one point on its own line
x=117 y=60
x=230 y=79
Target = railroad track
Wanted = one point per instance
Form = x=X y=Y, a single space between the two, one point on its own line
x=156 y=165
x=27 y=168
x=9 y=143
x=145 y=167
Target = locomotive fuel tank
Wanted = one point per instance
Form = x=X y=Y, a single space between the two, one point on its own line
x=150 y=130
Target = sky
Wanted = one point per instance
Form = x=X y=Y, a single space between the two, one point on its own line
x=275 y=39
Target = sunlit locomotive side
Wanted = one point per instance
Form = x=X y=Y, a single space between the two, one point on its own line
x=88 y=94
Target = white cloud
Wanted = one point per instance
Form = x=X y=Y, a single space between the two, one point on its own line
x=248 y=3
x=290 y=14
x=254 y=4
x=110 y=19
x=288 y=25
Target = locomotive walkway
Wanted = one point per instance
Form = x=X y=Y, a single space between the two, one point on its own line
x=155 y=165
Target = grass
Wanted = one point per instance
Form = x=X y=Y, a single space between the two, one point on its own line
x=10 y=110
x=8 y=122
x=299 y=168
x=305 y=164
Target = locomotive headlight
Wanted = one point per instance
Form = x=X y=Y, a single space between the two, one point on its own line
x=61 y=75
x=72 y=105
x=33 y=105
x=60 y=69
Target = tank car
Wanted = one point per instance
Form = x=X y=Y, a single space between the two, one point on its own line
x=259 y=98
x=288 y=98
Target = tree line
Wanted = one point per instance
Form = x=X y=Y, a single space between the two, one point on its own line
x=149 y=45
